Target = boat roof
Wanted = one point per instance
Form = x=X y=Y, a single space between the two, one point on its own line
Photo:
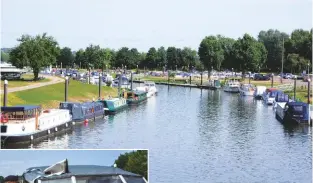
x=77 y=170
x=261 y=87
x=271 y=89
x=19 y=108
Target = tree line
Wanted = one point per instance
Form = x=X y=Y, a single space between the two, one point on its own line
x=246 y=53
x=135 y=162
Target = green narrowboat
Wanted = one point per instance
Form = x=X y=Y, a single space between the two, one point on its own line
x=113 y=105
x=135 y=97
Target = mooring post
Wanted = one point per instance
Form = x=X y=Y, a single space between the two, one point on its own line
x=168 y=77
x=309 y=80
x=131 y=83
x=201 y=78
x=100 y=79
x=66 y=89
x=249 y=77
x=89 y=76
x=272 y=80
x=294 y=89
x=190 y=79
x=119 y=85
x=5 y=90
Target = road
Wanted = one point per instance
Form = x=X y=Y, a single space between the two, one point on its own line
x=53 y=80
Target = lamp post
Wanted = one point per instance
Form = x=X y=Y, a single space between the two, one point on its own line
x=309 y=87
x=176 y=67
x=259 y=69
x=294 y=89
x=5 y=91
x=137 y=69
x=66 y=89
x=100 y=79
x=272 y=79
x=125 y=69
x=308 y=68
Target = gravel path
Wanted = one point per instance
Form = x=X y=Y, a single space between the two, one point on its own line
x=53 y=80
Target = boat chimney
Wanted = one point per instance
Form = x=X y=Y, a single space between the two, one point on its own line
x=5 y=92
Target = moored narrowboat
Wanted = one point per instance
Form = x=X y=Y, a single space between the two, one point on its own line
x=82 y=111
x=113 y=105
x=27 y=123
x=293 y=112
x=135 y=97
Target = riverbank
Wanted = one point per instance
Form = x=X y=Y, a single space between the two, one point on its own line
x=301 y=91
x=50 y=96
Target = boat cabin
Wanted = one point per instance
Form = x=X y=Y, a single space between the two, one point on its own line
x=281 y=97
x=80 y=111
x=19 y=113
x=135 y=94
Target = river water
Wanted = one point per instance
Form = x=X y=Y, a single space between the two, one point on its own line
x=202 y=136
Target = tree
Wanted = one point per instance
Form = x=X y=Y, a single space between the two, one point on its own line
x=151 y=58
x=80 y=59
x=249 y=54
x=66 y=57
x=273 y=42
x=172 y=57
x=162 y=58
x=135 y=162
x=94 y=56
x=36 y=52
x=5 y=56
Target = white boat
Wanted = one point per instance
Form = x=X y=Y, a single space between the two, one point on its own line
x=258 y=93
x=151 y=87
x=27 y=123
x=232 y=86
x=148 y=87
x=246 y=90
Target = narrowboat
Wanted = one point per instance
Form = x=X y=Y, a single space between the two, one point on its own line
x=82 y=111
x=135 y=97
x=258 y=93
x=293 y=112
x=28 y=123
x=232 y=86
x=246 y=90
x=113 y=105
x=62 y=172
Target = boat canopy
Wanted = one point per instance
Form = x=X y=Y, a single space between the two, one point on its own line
x=274 y=93
x=268 y=90
x=298 y=108
x=281 y=97
x=64 y=173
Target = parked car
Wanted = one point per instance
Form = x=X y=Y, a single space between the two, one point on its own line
x=261 y=77
x=288 y=76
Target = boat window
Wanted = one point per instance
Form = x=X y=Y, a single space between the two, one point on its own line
x=272 y=94
x=297 y=108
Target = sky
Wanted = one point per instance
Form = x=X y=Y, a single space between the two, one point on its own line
x=15 y=162
x=148 y=23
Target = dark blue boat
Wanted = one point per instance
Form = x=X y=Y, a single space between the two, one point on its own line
x=83 y=111
x=296 y=112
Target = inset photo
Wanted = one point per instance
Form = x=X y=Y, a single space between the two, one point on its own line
x=74 y=166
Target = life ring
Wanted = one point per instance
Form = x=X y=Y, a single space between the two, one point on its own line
x=4 y=118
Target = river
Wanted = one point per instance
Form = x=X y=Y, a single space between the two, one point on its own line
x=202 y=136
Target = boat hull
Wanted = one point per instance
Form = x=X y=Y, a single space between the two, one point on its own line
x=37 y=135
x=135 y=102
x=246 y=93
x=231 y=89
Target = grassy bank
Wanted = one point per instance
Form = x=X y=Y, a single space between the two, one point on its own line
x=26 y=79
x=50 y=96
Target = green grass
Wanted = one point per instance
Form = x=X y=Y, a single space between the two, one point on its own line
x=50 y=96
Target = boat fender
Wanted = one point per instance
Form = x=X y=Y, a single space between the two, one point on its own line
x=31 y=137
x=23 y=128
x=56 y=129
x=49 y=131
x=73 y=123
x=66 y=125
x=86 y=121
x=4 y=118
